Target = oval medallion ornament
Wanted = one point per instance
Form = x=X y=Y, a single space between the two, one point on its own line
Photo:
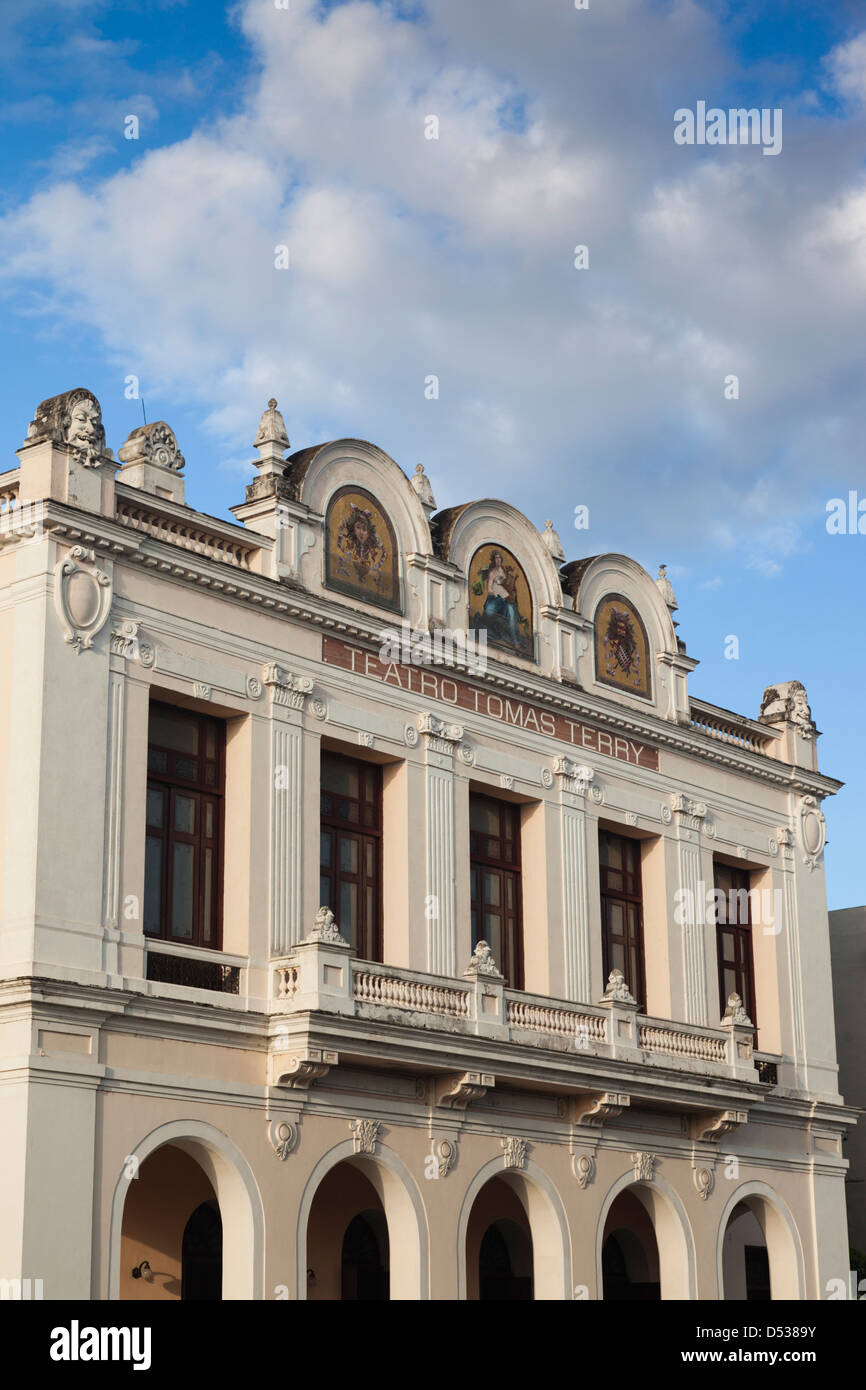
x=82 y=597
x=813 y=831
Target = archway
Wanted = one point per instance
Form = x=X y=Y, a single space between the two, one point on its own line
x=171 y=1240
x=505 y=1261
x=199 y=1164
x=652 y=1252
x=629 y=1253
x=512 y=1237
x=348 y=1248
x=381 y=1255
x=202 y=1255
x=759 y=1253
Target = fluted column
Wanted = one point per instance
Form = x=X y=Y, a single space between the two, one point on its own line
x=440 y=741
x=288 y=696
x=688 y=817
x=574 y=781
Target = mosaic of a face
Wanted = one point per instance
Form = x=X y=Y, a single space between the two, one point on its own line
x=621 y=649
x=500 y=602
x=360 y=549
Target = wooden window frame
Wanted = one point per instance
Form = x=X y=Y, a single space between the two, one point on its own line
x=336 y=825
x=633 y=898
x=512 y=962
x=200 y=791
x=743 y=936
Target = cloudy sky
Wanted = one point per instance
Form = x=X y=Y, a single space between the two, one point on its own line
x=261 y=127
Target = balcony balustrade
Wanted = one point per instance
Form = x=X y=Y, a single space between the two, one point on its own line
x=324 y=995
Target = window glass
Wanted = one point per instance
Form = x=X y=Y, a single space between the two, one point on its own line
x=173 y=729
x=152 y=885
x=183 y=871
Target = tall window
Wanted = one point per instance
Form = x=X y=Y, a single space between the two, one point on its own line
x=183 y=854
x=734 y=937
x=622 y=910
x=351 y=850
x=494 y=869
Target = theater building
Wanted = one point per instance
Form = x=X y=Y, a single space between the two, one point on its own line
x=381 y=917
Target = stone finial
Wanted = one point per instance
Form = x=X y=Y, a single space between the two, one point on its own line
x=152 y=462
x=154 y=444
x=421 y=484
x=271 y=440
x=325 y=929
x=666 y=588
x=73 y=419
x=788 y=702
x=735 y=1012
x=617 y=990
x=482 y=962
x=551 y=540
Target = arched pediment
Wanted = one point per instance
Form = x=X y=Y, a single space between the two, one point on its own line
x=632 y=628
x=371 y=520
x=321 y=472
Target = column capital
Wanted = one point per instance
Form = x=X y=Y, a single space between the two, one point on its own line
x=288 y=691
x=439 y=736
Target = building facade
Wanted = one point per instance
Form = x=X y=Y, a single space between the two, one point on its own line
x=381 y=918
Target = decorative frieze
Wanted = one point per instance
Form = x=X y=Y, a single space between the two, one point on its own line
x=644 y=1166
x=515 y=1151
x=365 y=1134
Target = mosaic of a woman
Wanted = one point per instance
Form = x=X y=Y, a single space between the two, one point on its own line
x=495 y=602
x=500 y=588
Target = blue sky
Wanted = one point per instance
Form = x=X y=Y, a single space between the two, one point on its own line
x=454 y=257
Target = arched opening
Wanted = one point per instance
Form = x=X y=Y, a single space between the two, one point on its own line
x=505 y=1263
x=759 y=1257
x=199 y=1163
x=651 y=1254
x=348 y=1243
x=499 y=1253
x=630 y=1254
x=364 y=1259
x=202 y=1255
x=171 y=1237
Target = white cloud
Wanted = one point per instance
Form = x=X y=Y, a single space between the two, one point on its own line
x=847 y=68
x=454 y=257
